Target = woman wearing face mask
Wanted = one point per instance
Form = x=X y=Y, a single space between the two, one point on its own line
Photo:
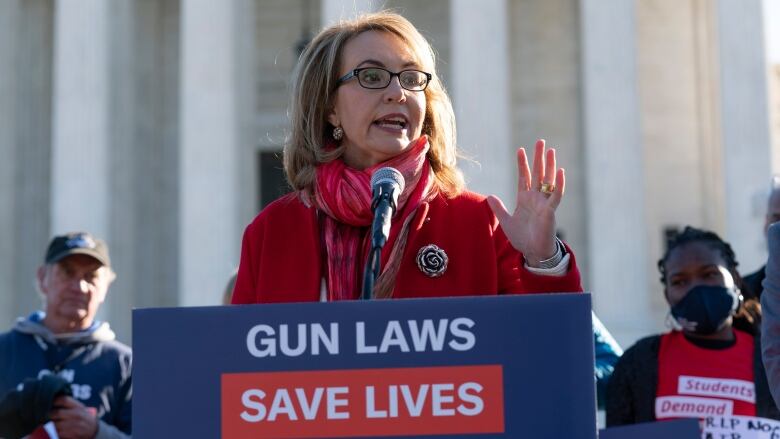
x=705 y=366
x=366 y=95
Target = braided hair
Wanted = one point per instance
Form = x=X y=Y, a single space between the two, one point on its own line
x=692 y=234
x=748 y=315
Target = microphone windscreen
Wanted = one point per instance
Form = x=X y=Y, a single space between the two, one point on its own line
x=388 y=175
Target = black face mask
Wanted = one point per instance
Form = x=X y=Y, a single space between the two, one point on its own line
x=705 y=308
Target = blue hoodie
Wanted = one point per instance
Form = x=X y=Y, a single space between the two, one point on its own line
x=97 y=366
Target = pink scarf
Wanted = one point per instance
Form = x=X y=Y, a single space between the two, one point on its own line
x=344 y=195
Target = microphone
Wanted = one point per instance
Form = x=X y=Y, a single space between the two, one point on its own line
x=386 y=184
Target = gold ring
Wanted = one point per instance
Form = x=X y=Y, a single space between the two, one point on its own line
x=547 y=188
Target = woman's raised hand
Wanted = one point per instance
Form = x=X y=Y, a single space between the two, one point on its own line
x=531 y=227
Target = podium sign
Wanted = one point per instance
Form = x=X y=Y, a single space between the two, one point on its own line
x=505 y=366
x=674 y=429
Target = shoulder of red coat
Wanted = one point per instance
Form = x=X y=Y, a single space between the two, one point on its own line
x=285 y=208
x=465 y=198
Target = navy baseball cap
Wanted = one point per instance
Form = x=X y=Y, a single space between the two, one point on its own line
x=77 y=243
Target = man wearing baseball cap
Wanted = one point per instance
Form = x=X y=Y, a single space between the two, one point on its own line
x=66 y=340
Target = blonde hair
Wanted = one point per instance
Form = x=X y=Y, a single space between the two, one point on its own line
x=314 y=83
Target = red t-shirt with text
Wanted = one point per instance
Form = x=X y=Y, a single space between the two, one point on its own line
x=694 y=382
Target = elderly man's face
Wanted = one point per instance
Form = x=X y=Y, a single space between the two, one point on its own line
x=73 y=288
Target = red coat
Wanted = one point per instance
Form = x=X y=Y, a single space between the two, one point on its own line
x=281 y=255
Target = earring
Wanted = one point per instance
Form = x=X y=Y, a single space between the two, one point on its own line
x=740 y=302
x=338 y=133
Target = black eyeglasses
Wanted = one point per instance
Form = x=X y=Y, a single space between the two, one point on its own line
x=377 y=77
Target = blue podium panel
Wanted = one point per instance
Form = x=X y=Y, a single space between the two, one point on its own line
x=676 y=429
x=505 y=366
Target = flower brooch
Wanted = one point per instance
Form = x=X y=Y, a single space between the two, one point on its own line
x=432 y=260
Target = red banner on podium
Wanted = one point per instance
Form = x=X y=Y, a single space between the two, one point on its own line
x=363 y=402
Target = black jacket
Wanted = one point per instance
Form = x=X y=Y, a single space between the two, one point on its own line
x=632 y=388
x=753 y=283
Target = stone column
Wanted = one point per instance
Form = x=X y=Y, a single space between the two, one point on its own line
x=125 y=147
x=613 y=162
x=744 y=127
x=8 y=31
x=547 y=100
x=33 y=131
x=481 y=92
x=210 y=233
x=81 y=184
x=675 y=80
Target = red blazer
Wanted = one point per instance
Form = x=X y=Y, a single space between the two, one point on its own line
x=282 y=259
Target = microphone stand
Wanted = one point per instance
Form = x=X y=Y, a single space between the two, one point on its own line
x=383 y=206
x=371 y=272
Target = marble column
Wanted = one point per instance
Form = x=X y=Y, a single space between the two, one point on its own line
x=613 y=162
x=80 y=182
x=547 y=100
x=480 y=92
x=744 y=131
x=8 y=31
x=210 y=233
x=25 y=142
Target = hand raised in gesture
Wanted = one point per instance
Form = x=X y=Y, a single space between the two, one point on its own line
x=531 y=226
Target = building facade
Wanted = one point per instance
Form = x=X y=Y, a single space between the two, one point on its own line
x=158 y=125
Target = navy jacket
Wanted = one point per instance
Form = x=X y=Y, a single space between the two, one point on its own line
x=97 y=367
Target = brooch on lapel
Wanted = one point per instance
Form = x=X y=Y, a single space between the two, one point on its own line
x=432 y=260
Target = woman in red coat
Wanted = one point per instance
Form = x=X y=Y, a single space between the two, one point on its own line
x=365 y=96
